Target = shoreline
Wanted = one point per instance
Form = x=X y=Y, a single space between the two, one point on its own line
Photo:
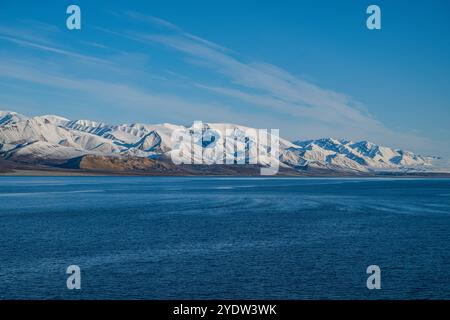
x=81 y=173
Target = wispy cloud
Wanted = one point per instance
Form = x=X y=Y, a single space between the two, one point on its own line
x=318 y=110
x=153 y=20
x=56 y=50
x=245 y=92
x=116 y=94
x=164 y=24
x=95 y=45
x=31 y=30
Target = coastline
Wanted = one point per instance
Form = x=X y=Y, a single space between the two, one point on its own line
x=87 y=173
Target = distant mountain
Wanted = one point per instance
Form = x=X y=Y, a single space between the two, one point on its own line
x=360 y=156
x=56 y=141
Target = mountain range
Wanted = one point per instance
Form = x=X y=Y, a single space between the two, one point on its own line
x=58 y=143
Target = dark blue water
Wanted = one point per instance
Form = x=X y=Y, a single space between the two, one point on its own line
x=233 y=238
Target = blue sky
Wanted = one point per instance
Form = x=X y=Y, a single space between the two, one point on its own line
x=310 y=68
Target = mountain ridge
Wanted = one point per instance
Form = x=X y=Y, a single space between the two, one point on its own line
x=53 y=140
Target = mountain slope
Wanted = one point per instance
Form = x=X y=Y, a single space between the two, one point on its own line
x=53 y=140
x=361 y=156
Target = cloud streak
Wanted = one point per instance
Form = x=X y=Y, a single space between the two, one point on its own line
x=251 y=93
x=116 y=94
x=47 y=48
x=318 y=111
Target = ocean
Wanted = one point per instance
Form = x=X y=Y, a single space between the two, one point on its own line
x=224 y=238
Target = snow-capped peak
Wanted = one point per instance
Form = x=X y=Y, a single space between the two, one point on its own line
x=7 y=117
x=55 y=137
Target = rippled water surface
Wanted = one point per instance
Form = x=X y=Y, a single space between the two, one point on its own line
x=233 y=238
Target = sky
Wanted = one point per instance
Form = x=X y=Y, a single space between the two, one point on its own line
x=309 y=68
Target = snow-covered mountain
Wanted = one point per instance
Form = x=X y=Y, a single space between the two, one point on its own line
x=48 y=139
x=360 y=156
